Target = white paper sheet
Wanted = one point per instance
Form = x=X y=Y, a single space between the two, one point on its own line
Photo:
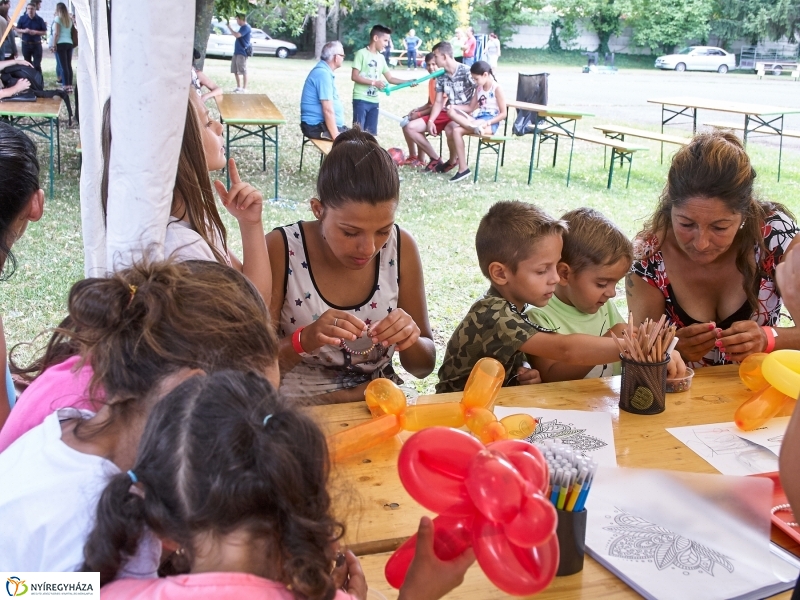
x=735 y=452
x=588 y=432
x=668 y=535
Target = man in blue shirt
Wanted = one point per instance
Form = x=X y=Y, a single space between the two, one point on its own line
x=241 y=50
x=411 y=43
x=32 y=27
x=321 y=111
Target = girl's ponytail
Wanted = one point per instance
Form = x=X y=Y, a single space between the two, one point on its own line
x=118 y=529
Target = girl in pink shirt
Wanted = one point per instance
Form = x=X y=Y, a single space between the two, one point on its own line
x=236 y=478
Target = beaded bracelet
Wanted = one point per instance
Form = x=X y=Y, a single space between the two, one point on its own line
x=357 y=352
x=784 y=508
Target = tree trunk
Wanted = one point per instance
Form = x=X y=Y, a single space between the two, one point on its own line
x=320 y=29
x=204 y=12
x=602 y=48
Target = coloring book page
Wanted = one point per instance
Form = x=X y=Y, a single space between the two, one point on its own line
x=675 y=539
x=589 y=433
x=735 y=452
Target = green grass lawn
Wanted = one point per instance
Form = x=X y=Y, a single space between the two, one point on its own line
x=443 y=217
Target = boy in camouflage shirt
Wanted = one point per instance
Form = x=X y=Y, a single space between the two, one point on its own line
x=519 y=247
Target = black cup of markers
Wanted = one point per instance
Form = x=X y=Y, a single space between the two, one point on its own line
x=571 y=534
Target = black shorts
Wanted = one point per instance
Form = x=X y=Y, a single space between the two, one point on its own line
x=319 y=131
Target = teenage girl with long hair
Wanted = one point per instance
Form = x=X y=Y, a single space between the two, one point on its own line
x=62 y=43
x=485 y=112
x=195 y=229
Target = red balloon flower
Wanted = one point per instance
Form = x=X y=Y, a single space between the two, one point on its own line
x=491 y=498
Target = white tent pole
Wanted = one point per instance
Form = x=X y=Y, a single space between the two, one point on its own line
x=94 y=84
x=150 y=77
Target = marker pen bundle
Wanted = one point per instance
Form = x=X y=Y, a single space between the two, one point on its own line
x=571 y=475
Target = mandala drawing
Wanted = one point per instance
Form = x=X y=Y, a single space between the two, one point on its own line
x=639 y=540
x=567 y=433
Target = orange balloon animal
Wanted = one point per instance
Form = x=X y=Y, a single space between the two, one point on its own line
x=387 y=403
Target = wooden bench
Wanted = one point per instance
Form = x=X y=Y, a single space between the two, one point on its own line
x=324 y=147
x=792 y=133
x=619 y=150
x=495 y=143
x=618 y=132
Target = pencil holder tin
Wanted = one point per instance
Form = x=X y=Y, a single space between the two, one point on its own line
x=571 y=534
x=644 y=387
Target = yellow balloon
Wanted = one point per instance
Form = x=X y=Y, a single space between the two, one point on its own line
x=484 y=383
x=447 y=414
x=750 y=372
x=519 y=426
x=384 y=397
x=781 y=369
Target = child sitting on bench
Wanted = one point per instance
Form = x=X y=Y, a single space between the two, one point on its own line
x=485 y=112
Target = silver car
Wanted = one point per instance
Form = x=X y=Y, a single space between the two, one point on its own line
x=264 y=44
x=221 y=42
x=698 y=58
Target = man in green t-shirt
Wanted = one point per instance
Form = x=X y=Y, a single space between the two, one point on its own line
x=369 y=65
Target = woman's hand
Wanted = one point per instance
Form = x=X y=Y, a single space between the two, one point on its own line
x=676 y=367
x=742 y=339
x=429 y=577
x=396 y=328
x=329 y=330
x=787 y=276
x=242 y=200
x=695 y=341
x=348 y=575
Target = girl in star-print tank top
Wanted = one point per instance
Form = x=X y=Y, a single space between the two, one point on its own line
x=348 y=290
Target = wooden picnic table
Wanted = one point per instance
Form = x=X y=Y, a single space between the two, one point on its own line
x=554 y=119
x=251 y=115
x=39 y=118
x=380 y=515
x=758 y=118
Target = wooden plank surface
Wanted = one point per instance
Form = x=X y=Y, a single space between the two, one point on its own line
x=547 y=111
x=594 y=582
x=256 y=109
x=725 y=106
x=644 y=134
x=45 y=108
x=380 y=515
x=601 y=140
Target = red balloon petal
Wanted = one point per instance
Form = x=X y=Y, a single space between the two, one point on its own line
x=527 y=459
x=495 y=486
x=433 y=466
x=535 y=524
x=451 y=537
x=517 y=571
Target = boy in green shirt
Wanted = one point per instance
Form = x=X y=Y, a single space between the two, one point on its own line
x=595 y=256
x=369 y=65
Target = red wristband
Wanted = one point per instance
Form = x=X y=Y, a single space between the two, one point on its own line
x=298 y=347
x=771 y=335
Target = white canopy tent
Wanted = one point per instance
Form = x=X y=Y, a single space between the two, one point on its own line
x=147 y=74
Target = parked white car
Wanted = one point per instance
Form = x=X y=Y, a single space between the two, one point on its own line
x=221 y=42
x=698 y=58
